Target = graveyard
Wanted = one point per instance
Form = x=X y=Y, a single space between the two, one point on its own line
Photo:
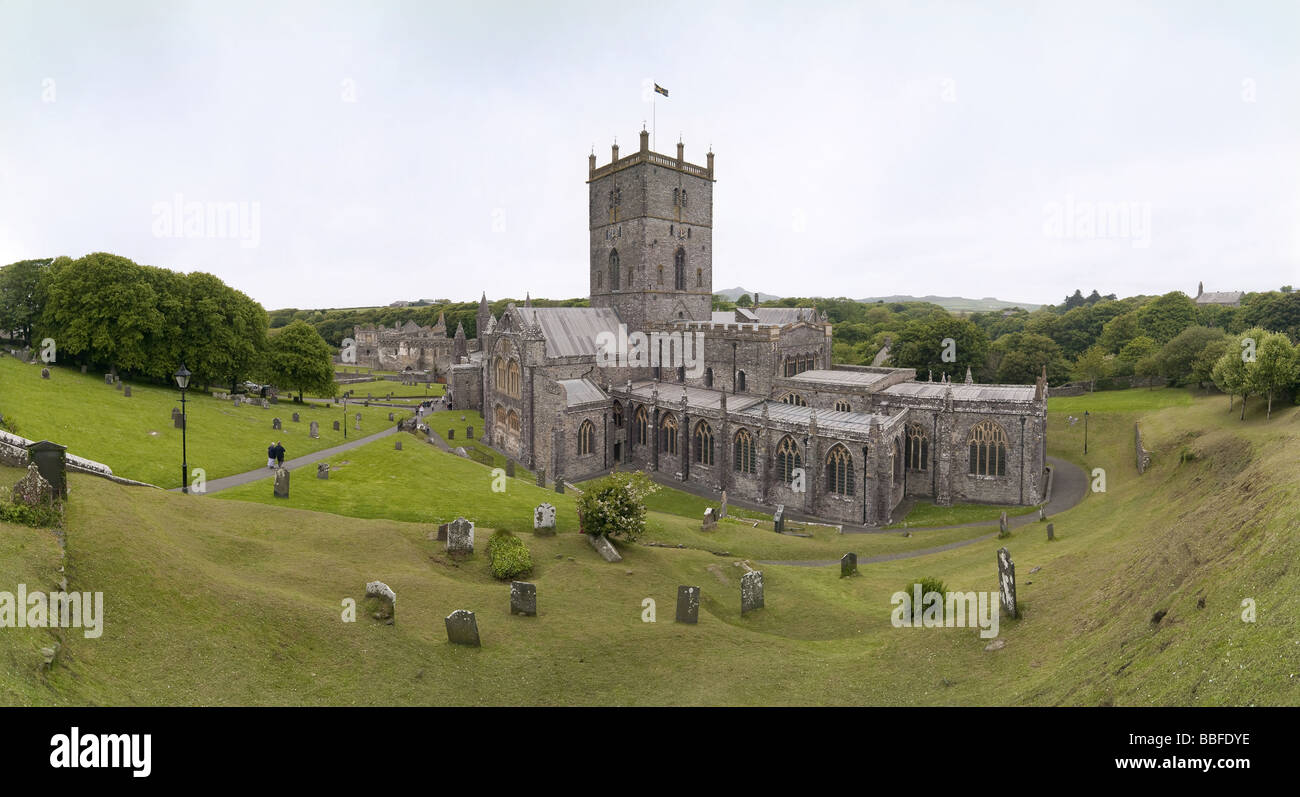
x=237 y=597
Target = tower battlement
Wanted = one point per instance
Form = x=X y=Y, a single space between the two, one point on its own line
x=645 y=155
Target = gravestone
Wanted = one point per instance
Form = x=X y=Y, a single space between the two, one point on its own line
x=126 y=392
x=296 y=419
x=45 y=373
x=178 y=420
x=469 y=432
x=604 y=547
x=710 y=522
x=1051 y=532
x=239 y=401
x=323 y=470
x=544 y=519
x=1002 y=524
x=1042 y=516
x=397 y=446
x=462 y=628
x=83 y=369
x=462 y=417
x=451 y=434
x=778 y=520
x=461 y=452
x=266 y=405
x=336 y=426
x=275 y=423
x=523 y=598
x=688 y=604
x=722 y=510
x=541 y=477
x=281 y=483
x=392 y=417
x=118 y=385
x=1007 y=581
x=33 y=489
x=386 y=600
x=442 y=532
x=358 y=422
x=848 y=564
x=751 y=591
x=460 y=538
x=108 y=379
x=510 y=468
x=559 y=485
x=315 y=429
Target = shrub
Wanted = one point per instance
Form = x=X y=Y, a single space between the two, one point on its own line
x=928 y=584
x=615 y=505
x=44 y=517
x=508 y=556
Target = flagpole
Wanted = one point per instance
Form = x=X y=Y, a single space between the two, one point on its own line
x=654 y=118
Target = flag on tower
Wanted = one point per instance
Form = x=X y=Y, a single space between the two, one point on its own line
x=661 y=90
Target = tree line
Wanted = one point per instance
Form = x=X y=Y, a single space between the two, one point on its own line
x=106 y=311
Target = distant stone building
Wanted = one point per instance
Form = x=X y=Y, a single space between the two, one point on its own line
x=649 y=377
x=411 y=346
x=1224 y=298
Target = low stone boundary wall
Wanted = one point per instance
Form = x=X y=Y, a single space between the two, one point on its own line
x=1143 y=456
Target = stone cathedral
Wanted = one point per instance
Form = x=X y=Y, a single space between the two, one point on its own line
x=746 y=401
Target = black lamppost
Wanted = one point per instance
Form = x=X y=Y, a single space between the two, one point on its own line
x=183 y=382
x=1085 y=431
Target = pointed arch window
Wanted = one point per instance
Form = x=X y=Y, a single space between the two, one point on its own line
x=743 y=459
x=704 y=443
x=668 y=434
x=618 y=415
x=613 y=269
x=916 y=455
x=788 y=459
x=641 y=422
x=513 y=386
x=795 y=399
x=843 y=406
x=839 y=471
x=586 y=436
x=679 y=269
x=987 y=445
x=740 y=381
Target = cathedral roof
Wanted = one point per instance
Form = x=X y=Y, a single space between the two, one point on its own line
x=858 y=379
x=962 y=392
x=580 y=391
x=781 y=316
x=827 y=420
x=570 y=331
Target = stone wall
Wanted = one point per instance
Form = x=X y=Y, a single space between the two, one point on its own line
x=1143 y=456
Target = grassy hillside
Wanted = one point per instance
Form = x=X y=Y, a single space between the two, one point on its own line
x=136 y=438
x=238 y=601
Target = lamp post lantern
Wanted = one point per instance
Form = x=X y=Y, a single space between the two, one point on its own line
x=183 y=382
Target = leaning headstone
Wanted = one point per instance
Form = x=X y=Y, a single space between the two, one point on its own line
x=544 y=519
x=315 y=429
x=275 y=423
x=688 y=604
x=510 y=468
x=1042 y=516
x=460 y=537
x=336 y=426
x=1007 y=581
x=281 y=483
x=751 y=591
x=848 y=564
x=523 y=598
x=397 y=446
x=384 y=601
x=296 y=419
x=45 y=373
x=604 y=547
x=541 y=477
x=778 y=520
x=126 y=392
x=462 y=628
x=1051 y=532
x=722 y=510
x=461 y=452
x=451 y=434
x=1002 y=524
x=323 y=470
x=469 y=432
x=710 y=522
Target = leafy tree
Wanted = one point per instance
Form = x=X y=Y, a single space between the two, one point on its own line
x=298 y=359
x=920 y=345
x=744 y=301
x=1177 y=357
x=102 y=306
x=1075 y=300
x=615 y=505
x=1230 y=376
x=1091 y=366
x=1277 y=364
x=1133 y=351
x=1018 y=359
x=1164 y=317
x=21 y=297
x=1147 y=367
x=1205 y=360
x=1117 y=332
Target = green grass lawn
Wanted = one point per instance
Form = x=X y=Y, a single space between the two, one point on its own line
x=136 y=438
x=1133 y=400
x=924 y=514
x=238 y=601
x=378 y=388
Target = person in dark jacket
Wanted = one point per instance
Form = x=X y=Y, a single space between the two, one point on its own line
x=270 y=456
x=279 y=455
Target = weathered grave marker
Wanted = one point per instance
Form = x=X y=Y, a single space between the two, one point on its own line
x=460 y=538
x=1007 y=581
x=751 y=591
x=710 y=522
x=281 y=483
x=544 y=519
x=315 y=429
x=462 y=628
x=688 y=604
x=848 y=564
x=523 y=598
x=323 y=470
x=604 y=547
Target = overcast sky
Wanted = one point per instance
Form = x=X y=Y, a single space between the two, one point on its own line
x=382 y=151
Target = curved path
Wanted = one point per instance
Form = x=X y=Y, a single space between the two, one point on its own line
x=1069 y=485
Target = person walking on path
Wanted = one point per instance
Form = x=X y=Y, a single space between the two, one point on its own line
x=279 y=454
x=270 y=456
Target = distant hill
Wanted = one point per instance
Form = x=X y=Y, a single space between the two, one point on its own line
x=956 y=303
x=732 y=294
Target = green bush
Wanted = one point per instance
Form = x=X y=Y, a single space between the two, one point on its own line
x=928 y=584
x=23 y=515
x=508 y=556
x=615 y=505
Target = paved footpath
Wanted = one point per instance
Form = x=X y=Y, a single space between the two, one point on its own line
x=226 y=482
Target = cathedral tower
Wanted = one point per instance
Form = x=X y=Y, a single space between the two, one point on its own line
x=651 y=219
